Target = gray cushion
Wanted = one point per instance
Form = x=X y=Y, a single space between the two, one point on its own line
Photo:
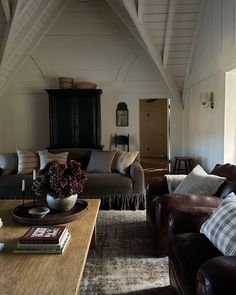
x=81 y=155
x=100 y=161
x=123 y=160
x=113 y=183
x=220 y=227
x=199 y=182
x=8 y=163
x=46 y=157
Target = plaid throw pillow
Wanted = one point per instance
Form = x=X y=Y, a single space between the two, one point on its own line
x=220 y=227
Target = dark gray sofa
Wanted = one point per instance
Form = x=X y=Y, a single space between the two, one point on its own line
x=116 y=191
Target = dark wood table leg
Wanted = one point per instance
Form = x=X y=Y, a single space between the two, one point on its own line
x=93 y=241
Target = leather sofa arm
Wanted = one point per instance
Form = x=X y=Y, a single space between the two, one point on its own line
x=157 y=186
x=217 y=276
x=137 y=175
x=188 y=219
x=176 y=200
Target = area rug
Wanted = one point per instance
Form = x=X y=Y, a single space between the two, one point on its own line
x=124 y=261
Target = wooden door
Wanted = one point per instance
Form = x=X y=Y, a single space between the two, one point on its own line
x=153 y=127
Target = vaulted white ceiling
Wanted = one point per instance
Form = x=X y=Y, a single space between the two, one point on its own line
x=169 y=29
x=166 y=29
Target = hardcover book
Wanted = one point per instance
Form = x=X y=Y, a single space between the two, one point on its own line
x=33 y=246
x=43 y=235
x=44 y=250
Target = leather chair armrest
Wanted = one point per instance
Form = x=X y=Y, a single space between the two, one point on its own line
x=176 y=200
x=217 y=276
x=157 y=186
x=189 y=219
x=167 y=203
x=137 y=174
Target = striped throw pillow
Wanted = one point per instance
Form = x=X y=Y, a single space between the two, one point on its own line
x=100 y=162
x=46 y=157
x=220 y=227
x=27 y=161
x=8 y=163
x=123 y=160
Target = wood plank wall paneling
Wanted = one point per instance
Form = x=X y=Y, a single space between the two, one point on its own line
x=204 y=136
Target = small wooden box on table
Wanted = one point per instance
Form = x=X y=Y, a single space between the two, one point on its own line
x=44 y=273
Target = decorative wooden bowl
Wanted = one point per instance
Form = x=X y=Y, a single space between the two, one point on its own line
x=20 y=214
x=85 y=85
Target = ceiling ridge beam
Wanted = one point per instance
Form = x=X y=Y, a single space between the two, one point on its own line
x=169 y=28
x=6 y=9
x=140 y=10
x=9 y=30
x=152 y=48
x=26 y=31
x=193 y=48
x=18 y=57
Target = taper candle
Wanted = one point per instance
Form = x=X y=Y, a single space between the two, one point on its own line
x=23 y=185
x=34 y=174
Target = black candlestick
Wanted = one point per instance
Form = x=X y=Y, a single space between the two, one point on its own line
x=23 y=192
x=23 y=198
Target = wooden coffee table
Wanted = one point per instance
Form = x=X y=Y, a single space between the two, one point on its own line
x=45 y=274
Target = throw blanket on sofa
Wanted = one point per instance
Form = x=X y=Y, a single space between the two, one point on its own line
x=173 y=181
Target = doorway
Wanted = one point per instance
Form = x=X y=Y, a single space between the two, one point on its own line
x=154 y=134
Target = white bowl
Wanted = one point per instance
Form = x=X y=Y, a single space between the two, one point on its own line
x=39 y=212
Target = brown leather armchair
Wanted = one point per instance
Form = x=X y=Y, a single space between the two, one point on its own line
x=160 y=203
x=196 y=266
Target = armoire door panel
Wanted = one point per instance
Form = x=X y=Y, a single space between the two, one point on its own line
x=87 y=121
x=75 y=118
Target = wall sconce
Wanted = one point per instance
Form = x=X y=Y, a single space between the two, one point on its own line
x=207 y=100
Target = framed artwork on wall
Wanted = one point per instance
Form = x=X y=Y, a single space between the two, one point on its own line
x=122 y=114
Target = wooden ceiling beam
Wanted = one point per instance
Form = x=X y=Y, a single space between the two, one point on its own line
x=152 y=48
x=28 y=28
x=7 y=10
x=168 y=34
x=20 y=43
x=9 y=29
x=140 y=10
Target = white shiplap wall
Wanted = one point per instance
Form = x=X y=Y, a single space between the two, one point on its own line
x=87 y=42
x=216 y=53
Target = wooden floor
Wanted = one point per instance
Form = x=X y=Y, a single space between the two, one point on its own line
x=154 y=166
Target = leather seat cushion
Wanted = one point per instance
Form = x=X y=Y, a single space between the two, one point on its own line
x=189 y=251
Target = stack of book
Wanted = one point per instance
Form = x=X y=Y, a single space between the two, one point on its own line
x=43 y=239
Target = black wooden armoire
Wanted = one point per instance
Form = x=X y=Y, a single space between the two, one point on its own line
x=75 y=118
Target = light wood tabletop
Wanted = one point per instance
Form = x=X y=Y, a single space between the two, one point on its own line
x=45 y=274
